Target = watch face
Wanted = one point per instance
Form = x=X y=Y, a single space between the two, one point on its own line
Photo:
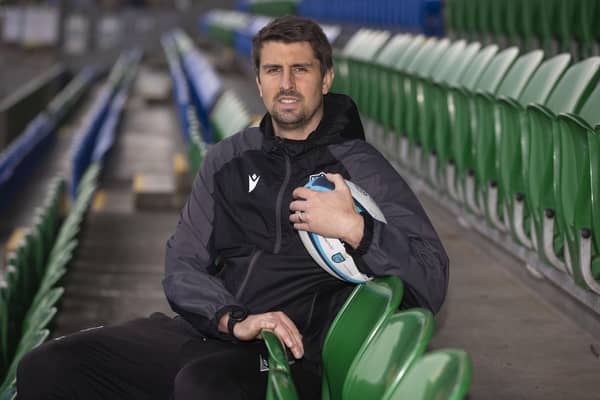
x=237 y=314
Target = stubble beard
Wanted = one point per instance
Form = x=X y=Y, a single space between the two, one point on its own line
x=293 y=120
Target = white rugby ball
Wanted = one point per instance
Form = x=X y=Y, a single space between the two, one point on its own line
x=329 y=253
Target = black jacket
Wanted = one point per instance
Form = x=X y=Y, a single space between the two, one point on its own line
x=236 y=248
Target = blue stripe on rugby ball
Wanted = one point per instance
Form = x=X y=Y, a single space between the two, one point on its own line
x=316 y=240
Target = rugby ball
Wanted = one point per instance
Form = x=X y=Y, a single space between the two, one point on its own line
x=329 y=253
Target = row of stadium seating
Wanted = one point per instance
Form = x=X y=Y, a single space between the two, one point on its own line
x=24 y=152
x=513 y=139
x=32 y=288
x=553 y=25
x=372 y=351
x=422 y=16
x=207 y=112
x=96 y=136
x=369 y=315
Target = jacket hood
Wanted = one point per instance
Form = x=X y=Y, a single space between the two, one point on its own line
x=340 y=123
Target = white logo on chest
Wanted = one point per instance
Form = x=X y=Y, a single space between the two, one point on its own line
x=252 y=182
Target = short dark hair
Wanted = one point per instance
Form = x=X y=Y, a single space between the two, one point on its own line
x=291 y=29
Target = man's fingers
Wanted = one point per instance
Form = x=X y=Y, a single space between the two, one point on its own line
x=298 y=205
x=303 y=193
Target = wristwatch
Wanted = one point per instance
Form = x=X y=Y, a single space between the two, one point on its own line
x=236 y=315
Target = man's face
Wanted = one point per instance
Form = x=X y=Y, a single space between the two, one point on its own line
x=290 y=83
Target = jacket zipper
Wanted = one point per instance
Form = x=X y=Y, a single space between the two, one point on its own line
x=286 y=181
x=253 y=261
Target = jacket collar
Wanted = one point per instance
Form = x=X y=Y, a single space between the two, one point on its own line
x=340 y=123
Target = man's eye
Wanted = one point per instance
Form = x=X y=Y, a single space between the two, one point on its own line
x=300 y=69
x=272 y=70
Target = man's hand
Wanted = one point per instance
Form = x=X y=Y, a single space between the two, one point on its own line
x=277 y=322
x=329 y=214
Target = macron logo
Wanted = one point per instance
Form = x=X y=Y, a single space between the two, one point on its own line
x=252 y=182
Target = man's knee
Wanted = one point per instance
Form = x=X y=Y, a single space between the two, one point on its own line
x=44 y=371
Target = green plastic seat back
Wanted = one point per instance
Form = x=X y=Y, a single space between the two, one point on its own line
x=577 y=83
x=442 y=374
x=376 y=44
x=435 y=57
x=538 y=144
x=495 y=71
x=594 y=146
x=407 y=56
x=545 y=78
x=355 y=41
x=584 y=20
x=528 y=21
x=452 y=75
x=565 y=17
x=472 y=73
x=573 y=162
x=393 y=49
x=520 y=73
x=421 y=58
x=359 y=319
x=400 y=342
x=449 y=60
x=228 y=116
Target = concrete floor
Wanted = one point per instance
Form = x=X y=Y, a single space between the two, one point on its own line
x=521 y=345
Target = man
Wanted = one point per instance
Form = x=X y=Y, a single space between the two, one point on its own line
x=235 y=264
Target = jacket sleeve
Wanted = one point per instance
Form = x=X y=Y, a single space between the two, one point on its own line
x=191 y=289
x=407 y=246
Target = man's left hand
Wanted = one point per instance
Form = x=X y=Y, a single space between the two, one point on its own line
x=329 y=214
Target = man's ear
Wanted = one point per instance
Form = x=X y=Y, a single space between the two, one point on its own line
x=258 y=85
x=327 y=80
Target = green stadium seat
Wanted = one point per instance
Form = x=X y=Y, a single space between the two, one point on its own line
x=439 y=115
x=594 y=242
x=413 y=95
x=486 y=71
x=386 y=358
x=483 y=20
x=365 y=69
x=573 y=191
x=363 y=314
x=391 y=113
x=379 y=98
x=445 y=115
x=442 y=374
x=567 y=97
x=196 y=147
x=280 y=385
x=509 y=125
x=487 y=169
x=426 y=91
x=405 y=108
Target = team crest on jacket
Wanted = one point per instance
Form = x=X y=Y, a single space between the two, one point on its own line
x=252 y=182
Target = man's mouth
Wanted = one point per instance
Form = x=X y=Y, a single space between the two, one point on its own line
x=288 y=100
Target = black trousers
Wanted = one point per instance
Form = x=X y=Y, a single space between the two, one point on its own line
x=151 y=358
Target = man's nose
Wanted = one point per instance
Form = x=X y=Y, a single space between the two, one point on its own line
x=287 y=80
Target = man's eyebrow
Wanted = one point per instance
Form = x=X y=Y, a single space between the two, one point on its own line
x=305 y=65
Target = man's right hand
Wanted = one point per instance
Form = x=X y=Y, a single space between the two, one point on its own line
x=277 y=322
